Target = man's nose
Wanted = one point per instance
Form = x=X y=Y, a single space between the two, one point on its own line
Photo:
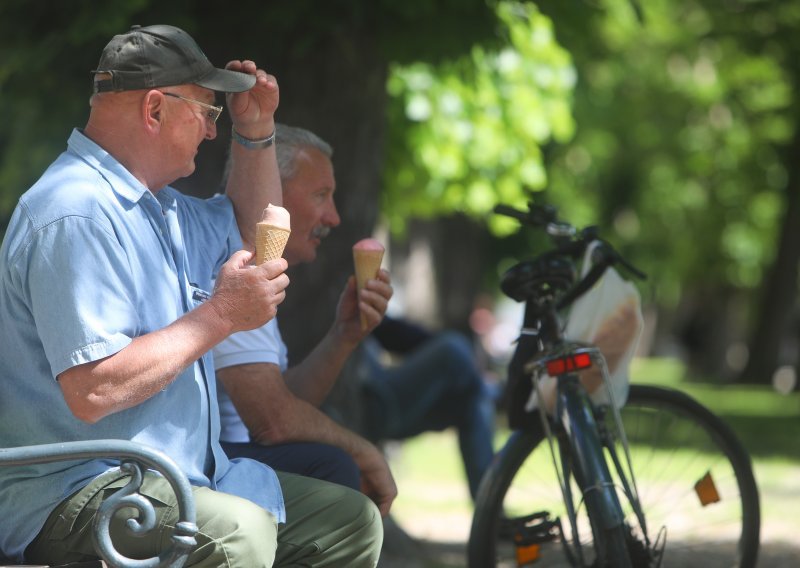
x=331 y=217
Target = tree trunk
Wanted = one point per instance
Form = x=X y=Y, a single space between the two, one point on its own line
x=779 y=300
x=460 y=257
x=437 y=270
x=318 y=92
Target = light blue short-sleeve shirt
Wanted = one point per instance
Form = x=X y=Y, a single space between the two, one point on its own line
x=91 y=259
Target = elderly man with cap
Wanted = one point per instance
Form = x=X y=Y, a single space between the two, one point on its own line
x=107 y=314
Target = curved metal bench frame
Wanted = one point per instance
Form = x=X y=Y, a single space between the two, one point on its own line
x=133 y=458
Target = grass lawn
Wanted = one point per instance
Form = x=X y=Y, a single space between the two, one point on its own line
x=767 y=423
x=434 y=504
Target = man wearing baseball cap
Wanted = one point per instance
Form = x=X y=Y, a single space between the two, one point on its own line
x=107 y=315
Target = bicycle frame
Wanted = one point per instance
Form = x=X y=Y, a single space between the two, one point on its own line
x=583 y=456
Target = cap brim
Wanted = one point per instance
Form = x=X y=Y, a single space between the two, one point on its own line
x=227 y=81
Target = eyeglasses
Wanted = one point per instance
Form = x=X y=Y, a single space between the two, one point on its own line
x=213 y=111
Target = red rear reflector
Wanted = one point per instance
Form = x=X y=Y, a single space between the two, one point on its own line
x=569 y=363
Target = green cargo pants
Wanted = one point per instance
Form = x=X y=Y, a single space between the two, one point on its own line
x=326 y=525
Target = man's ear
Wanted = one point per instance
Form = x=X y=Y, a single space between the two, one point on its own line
x=153 y=107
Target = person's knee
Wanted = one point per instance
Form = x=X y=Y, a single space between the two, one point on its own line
x=327 y=525
x=232 y=532
x=456 y=349
x=357 y=512
x=366 y=527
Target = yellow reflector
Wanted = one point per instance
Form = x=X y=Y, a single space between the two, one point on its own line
x=527 y=554
x=706 y=490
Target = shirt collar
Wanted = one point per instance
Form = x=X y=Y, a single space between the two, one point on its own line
x=122 y=182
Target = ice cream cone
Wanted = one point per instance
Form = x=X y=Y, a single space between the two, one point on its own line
x=367 y=261
x=272 y=232
x=270 y=242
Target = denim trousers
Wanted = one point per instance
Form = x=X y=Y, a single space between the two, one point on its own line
x=435 y=387
x=311 y=459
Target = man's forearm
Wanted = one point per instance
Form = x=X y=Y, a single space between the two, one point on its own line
x=143 y=368
x=301 y=422
x=274 y=415
x=253 y=183
x=313 y=378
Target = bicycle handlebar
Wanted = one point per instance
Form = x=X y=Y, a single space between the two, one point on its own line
x=571 y=243
x=537 y=215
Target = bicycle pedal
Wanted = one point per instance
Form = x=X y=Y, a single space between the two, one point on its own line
x=529 y=533
x=532 y=529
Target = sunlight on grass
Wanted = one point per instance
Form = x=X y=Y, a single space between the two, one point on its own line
x=765 y=421
x=727 y=399
x=433 y=501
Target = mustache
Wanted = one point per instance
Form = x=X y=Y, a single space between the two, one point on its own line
x=320 y=231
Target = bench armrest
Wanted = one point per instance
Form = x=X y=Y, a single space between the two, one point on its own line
x=133 y=457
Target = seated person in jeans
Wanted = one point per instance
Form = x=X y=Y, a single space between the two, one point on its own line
x=436 y=385
x=268 y=411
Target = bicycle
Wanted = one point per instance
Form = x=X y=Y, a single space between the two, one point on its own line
x=661 y=481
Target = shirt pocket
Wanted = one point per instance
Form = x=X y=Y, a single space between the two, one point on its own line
x=197 y=295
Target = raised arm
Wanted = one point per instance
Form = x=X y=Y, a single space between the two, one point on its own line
x=313 y=378
x=253 y=180
x=246 y=297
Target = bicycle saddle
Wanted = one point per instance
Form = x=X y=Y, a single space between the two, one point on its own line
x=543 y=277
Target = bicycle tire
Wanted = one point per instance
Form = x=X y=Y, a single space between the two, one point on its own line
x=668 y=431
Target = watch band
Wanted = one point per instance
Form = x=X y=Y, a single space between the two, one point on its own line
x=253 y=144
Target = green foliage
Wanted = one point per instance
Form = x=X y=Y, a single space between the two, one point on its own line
x=666 y=127
x=681 y=127
x=469 y=133
x=46 y=52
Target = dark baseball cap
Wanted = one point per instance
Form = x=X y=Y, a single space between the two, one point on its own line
x=162 y=56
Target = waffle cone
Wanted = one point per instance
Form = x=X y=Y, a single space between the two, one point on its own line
x=270 y=242
x=367 y=263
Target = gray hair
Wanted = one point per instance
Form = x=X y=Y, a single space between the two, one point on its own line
x=289 y=141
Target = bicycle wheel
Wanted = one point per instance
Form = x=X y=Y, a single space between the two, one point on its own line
x=695 y=480
x=520 y=516
x=674 y=443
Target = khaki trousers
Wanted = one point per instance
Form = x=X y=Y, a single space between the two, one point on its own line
x=327 y=525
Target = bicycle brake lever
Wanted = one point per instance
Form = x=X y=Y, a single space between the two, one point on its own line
x=610 y=256
x=631 y=268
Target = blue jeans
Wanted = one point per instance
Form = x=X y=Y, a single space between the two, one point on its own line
x=435 y=387
x=311 y=459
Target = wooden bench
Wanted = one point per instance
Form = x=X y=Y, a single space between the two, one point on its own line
x=134 y=458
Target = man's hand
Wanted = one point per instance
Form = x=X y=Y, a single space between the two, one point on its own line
x=252 y=112
x=372 y=301
x=248 y=296
x=377 y=481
